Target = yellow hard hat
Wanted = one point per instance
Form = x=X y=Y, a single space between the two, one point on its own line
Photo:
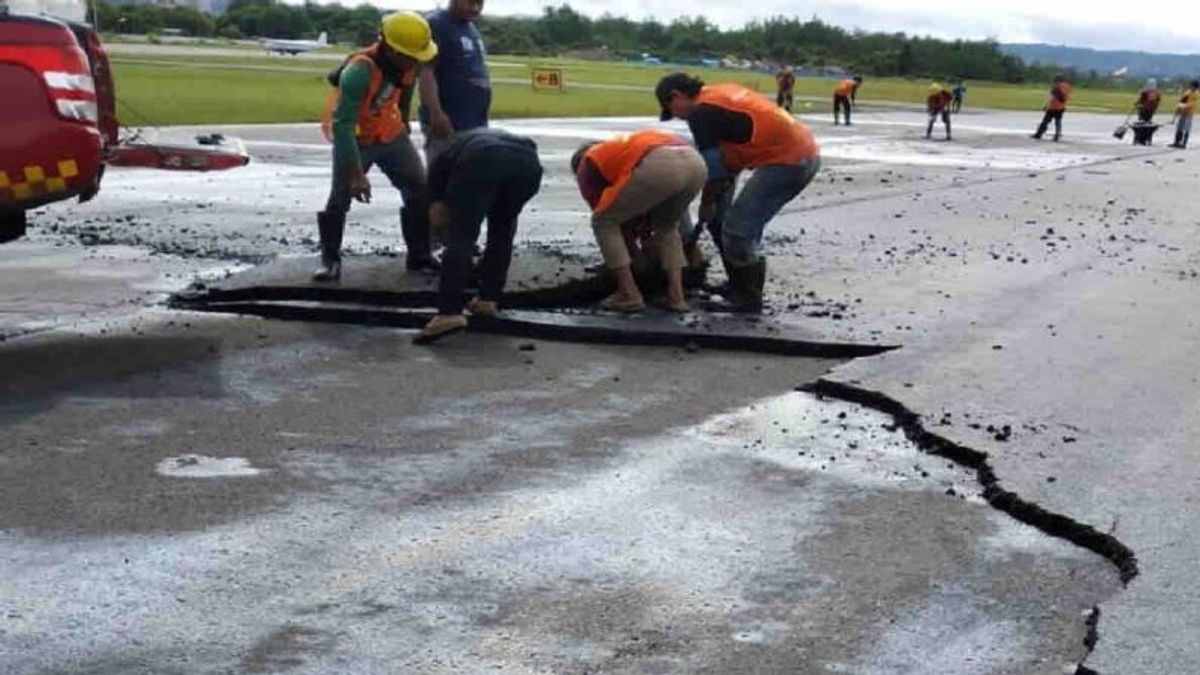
x=935 y=87
x=409 y=34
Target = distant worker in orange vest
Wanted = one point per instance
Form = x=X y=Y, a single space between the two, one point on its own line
x=651 y=176
x=785 y=79
x=1056 y=105
x=938 y=105
x=844 y=97
x=1185 y=112
x=736 y=129
x=367 y=121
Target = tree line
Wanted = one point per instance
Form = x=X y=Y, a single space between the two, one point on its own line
x=809 y=43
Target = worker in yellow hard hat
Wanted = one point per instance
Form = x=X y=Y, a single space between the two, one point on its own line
x=367 y=121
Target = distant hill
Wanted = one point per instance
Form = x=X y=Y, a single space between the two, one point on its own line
x=1140 y=64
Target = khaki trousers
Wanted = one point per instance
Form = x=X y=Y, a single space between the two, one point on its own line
x=660 y=190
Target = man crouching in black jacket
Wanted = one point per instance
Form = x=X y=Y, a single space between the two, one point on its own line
x=484 y=173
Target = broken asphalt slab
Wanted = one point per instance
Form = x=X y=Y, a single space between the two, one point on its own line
x=545 y=298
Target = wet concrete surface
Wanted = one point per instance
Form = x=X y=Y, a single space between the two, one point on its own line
x=1033 y=286
x=248 y=496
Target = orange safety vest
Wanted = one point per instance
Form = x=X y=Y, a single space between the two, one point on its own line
x=845 y=88
x=618 y=158
x=379 y=118
x=1187 y=104
x=1056 y=104
x=777 y=137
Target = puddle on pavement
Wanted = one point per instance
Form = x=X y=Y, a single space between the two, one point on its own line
x=201 y=466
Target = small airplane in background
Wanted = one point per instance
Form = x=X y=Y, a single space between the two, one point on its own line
x=294 y=47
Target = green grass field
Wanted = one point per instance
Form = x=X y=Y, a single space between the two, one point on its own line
x=179 y=89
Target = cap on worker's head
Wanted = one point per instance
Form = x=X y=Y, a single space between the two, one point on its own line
x=681 y=82
x=580 y=153
x=1195 y=84
x=858 y=78
x=408 y=33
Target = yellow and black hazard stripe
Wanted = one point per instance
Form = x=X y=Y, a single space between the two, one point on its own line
x=35 y=180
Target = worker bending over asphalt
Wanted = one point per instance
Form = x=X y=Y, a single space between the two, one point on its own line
x=483 y=173
x=1056 y=106
x=938 y=105
x=1185 y=112
x=844 y=97
x=367 y=120
x=647 y=175
x=737 y=129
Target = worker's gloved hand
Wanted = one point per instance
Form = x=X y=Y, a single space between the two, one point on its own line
x=440 y=125
x=360 y=188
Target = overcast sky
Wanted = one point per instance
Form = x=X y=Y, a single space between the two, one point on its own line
x=1102 y=24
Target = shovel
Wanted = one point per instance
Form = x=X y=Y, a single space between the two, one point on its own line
x=1119 y=134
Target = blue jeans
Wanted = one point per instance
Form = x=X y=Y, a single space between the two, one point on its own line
x=769 y=189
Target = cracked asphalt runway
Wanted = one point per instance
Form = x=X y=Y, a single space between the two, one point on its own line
x=184 y=492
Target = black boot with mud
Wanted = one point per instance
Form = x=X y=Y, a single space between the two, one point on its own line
x=743 y=293
x=415 y=226
x=330 y=227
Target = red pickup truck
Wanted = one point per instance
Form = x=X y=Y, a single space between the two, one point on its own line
x=58 y=123
x=57 y=118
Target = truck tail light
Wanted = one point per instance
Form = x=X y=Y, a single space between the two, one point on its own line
x=65 y=70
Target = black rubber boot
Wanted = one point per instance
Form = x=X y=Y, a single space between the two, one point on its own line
x=330 y=226
x=743 y=293
x=754 y=283
x=414 y=225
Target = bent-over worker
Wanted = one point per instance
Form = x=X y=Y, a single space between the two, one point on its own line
x=483 y=173
x=736 y=129
x=844 y=97
x=648 y=175
x=938 y=105
x=1147 y=104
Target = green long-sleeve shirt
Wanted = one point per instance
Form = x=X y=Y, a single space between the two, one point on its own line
x=353 y=84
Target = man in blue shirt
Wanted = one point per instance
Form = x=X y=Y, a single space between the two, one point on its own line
x=456 y=91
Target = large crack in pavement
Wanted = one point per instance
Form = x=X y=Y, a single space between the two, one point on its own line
x=1053 y=524
x=553 y=313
